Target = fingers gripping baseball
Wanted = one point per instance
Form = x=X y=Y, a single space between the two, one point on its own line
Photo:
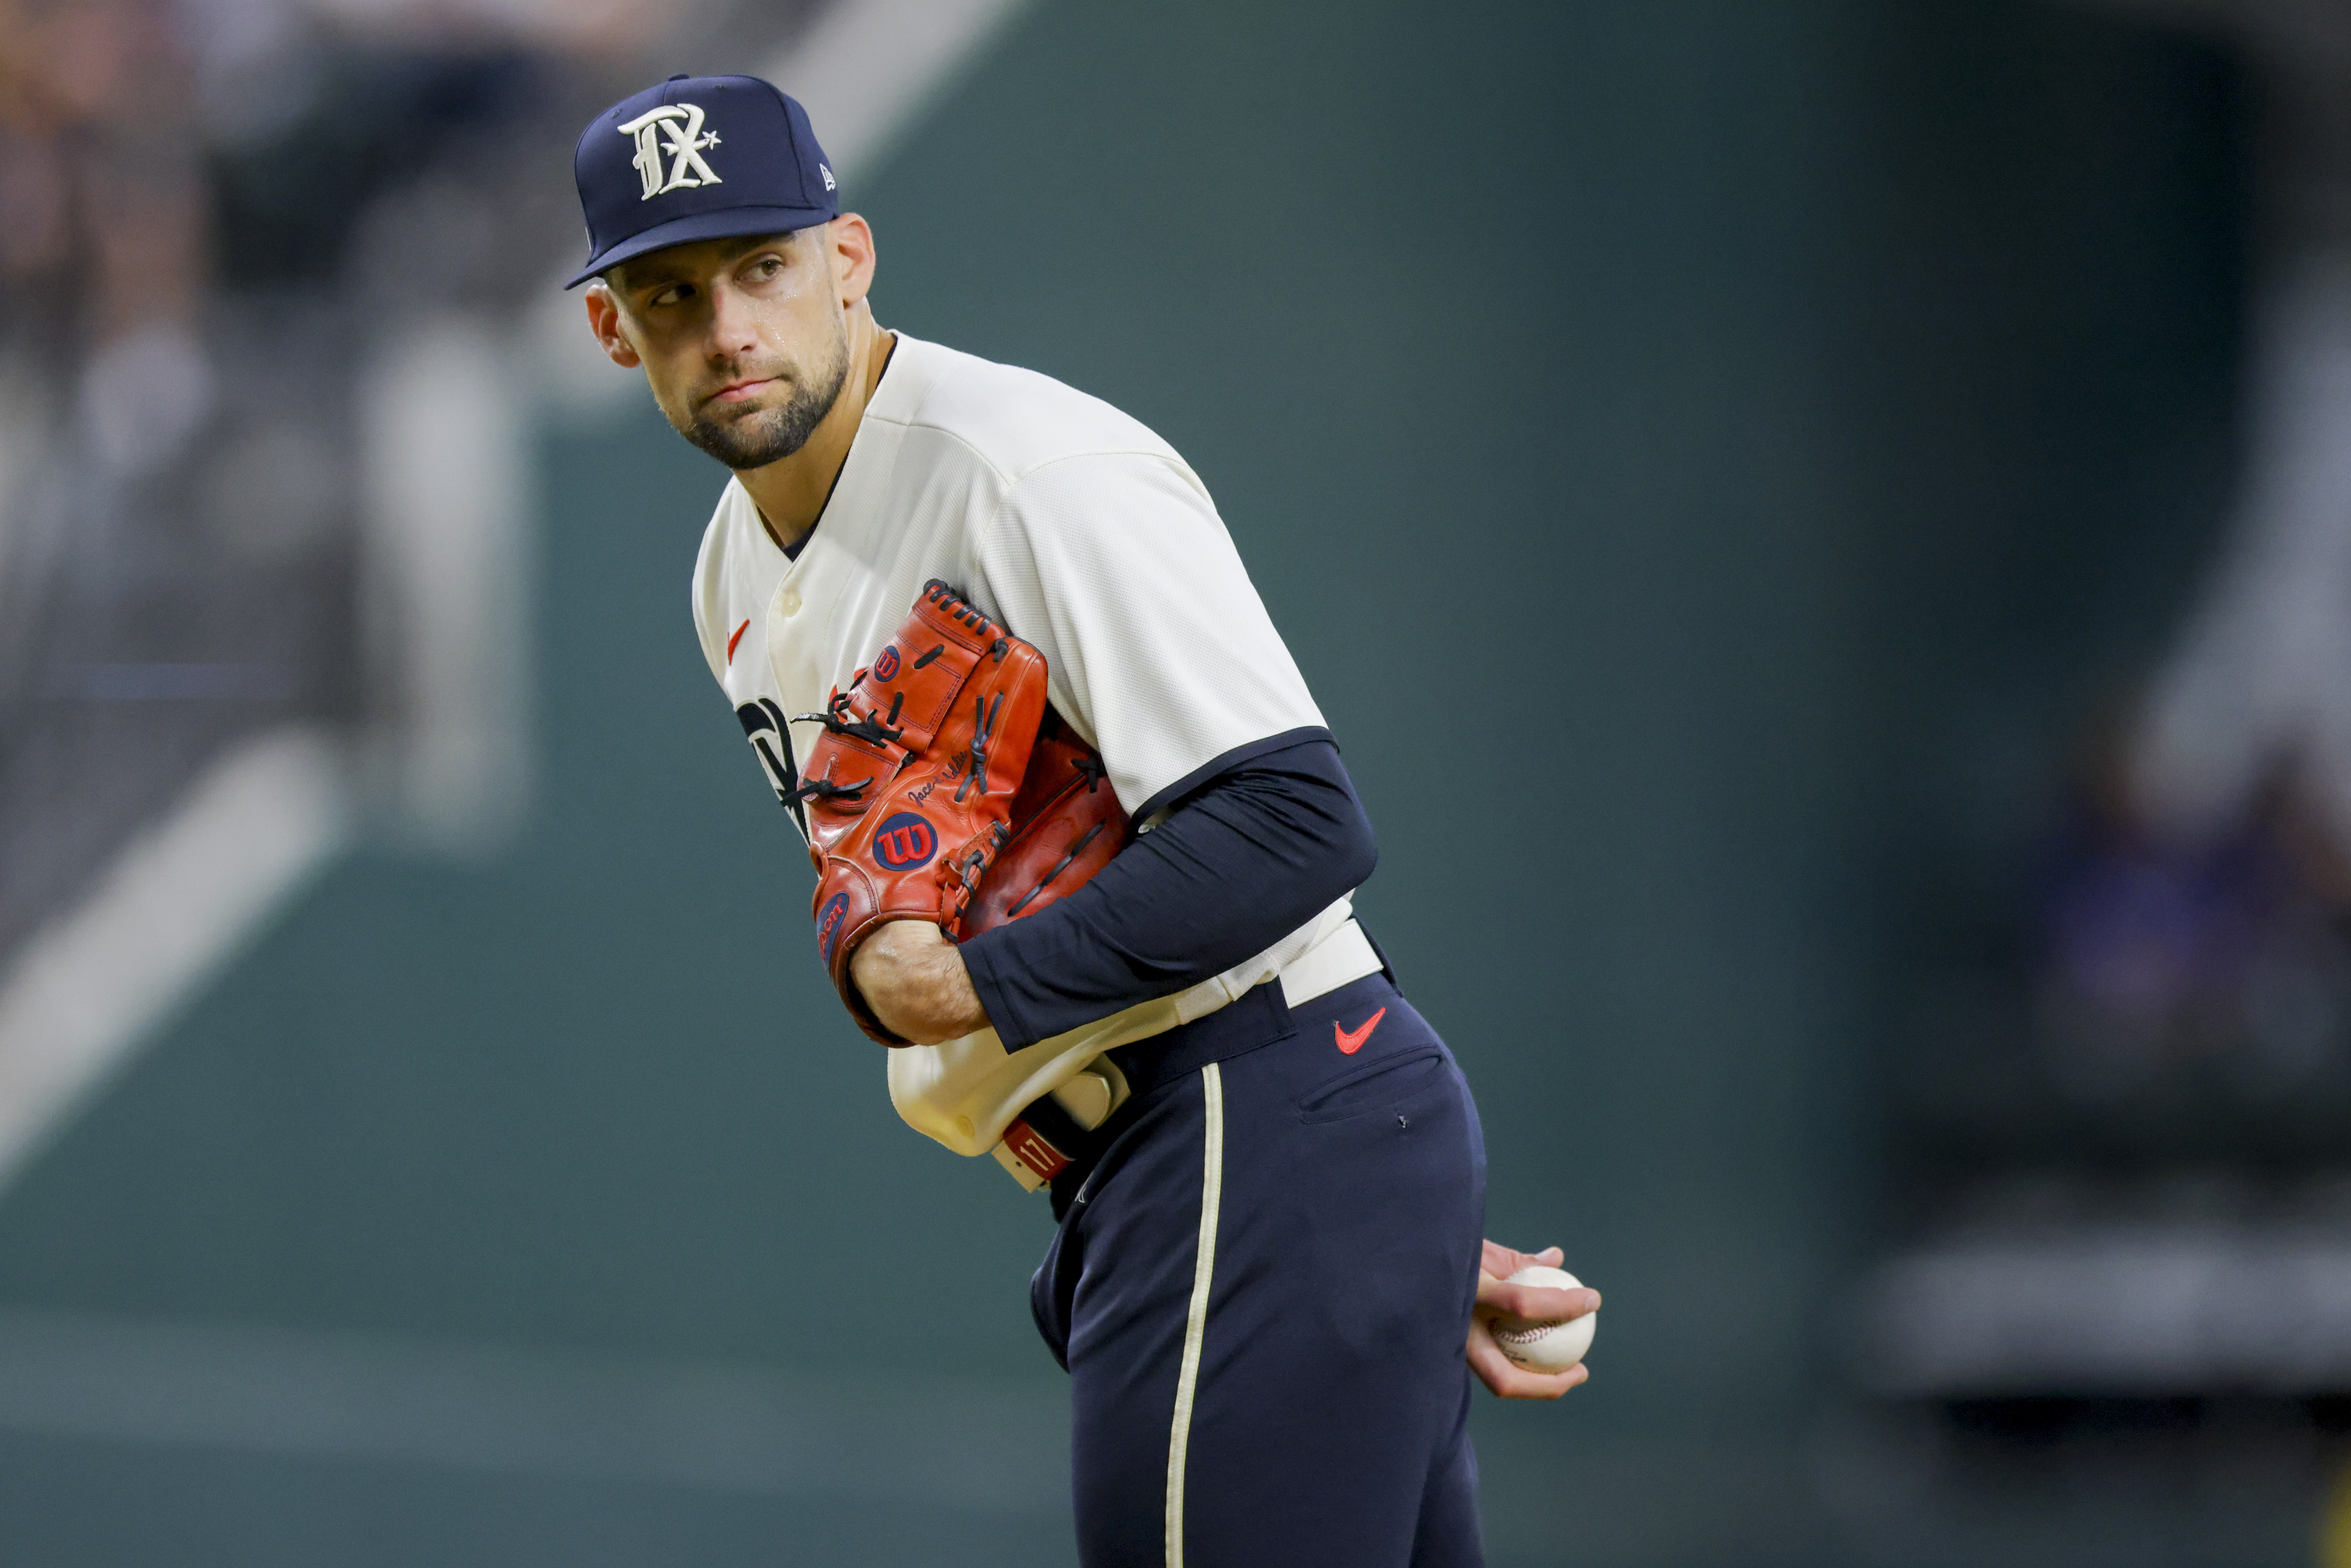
x=1500 y=1302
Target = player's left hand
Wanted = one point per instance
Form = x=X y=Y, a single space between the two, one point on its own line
x=914 y=979
x=1536 y=1303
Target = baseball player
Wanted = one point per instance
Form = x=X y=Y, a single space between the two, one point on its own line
x=1265 y=1166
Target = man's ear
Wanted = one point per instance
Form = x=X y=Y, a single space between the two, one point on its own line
x=852 y=257
x=605 y=321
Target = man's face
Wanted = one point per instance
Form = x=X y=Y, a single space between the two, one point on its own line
x=745 y=341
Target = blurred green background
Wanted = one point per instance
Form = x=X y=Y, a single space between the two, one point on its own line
x=1670 y=441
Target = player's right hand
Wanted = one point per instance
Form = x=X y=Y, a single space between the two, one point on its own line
x=1534 y=1303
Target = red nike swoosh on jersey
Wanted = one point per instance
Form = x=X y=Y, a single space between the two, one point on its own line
x=1351 y=1042
x=734 y=639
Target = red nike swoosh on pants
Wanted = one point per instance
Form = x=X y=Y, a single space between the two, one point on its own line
x=1349 y=1041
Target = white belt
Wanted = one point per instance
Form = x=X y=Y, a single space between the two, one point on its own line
x=1345 y=954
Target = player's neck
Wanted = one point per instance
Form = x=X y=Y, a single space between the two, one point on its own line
x=791 y=494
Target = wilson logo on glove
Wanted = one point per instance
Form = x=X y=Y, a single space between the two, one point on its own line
x=905 y=843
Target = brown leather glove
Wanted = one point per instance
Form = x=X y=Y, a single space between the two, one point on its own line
x=1066 y=825
x=911 y=789
x=922 y=754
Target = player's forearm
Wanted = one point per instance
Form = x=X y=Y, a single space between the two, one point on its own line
x=1239 y=864
x=914 y=979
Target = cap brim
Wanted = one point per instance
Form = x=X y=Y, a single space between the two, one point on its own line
x=732 y=224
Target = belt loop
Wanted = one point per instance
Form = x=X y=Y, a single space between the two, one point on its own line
x=1277 y=1006
x=1380 y=953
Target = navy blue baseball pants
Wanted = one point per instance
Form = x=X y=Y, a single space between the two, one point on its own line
x=1260 y=1289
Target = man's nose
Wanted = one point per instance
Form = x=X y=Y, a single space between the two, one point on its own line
x=732 y=332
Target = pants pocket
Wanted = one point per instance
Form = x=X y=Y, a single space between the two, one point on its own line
x=1375 y=1087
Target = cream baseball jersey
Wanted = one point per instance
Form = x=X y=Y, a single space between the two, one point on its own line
x=1084 y=534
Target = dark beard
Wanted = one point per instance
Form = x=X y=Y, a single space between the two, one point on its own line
x=772 y=435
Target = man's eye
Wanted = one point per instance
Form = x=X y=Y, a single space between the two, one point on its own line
x=674 y=294
x=769 y=266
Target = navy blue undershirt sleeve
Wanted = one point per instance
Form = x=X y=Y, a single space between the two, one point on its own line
x=1242 y=861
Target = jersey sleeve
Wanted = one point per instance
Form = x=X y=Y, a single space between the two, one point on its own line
x=1157 y=648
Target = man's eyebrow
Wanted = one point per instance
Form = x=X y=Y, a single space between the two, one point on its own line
x=644 y=272
x=781 y=240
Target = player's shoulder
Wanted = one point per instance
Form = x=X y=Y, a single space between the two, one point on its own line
x=1013 y=421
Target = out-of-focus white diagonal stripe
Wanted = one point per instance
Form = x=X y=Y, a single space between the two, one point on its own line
x=177 y=904
x=866 y=70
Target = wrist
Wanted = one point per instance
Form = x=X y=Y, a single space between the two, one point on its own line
x=983 y=958
x=954 y=1003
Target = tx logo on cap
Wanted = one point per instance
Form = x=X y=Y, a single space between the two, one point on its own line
x=681 y=123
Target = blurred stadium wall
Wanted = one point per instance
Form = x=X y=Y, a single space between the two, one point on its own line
x=1688 y=408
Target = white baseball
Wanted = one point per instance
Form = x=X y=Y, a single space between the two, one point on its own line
x=1551 y=1346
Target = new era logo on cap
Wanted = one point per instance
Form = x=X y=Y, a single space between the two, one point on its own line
x=648 y=177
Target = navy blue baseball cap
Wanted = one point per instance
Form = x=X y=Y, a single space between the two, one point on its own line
x=697 y=158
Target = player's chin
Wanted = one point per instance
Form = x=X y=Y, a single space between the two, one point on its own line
x=744 y=437
x=743 y=422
